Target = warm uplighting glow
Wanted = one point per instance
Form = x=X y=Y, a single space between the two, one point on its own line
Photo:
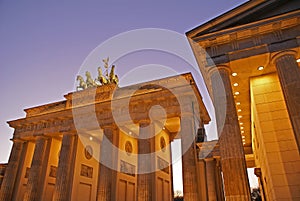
x=239 y=110
x=235 y=84
x=234 y=74
x=164 y=128
x=130 y=133
x=260 y=68
x=238 y=103
x=91 y=138
x=237 y=93
x=298 y=60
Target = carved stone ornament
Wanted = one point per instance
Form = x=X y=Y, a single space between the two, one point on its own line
x=128 y=147
x=86 y=171
x=88 y=152
x=162 y=143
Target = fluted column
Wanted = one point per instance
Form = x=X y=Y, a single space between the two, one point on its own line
x=35 y=179
x=63 y=177
x=211 y=178
x=189 y=159
x=289 y=77
x=107 y=165
x=236 y=184
x=144 y=187
x=10 y=176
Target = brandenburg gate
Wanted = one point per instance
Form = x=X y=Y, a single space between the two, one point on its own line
x=110 y=143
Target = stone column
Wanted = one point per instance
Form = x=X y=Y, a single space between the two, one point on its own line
x=219 y=181
x=64 y=173
x=144 y=187
x=202 y=185
x=189 y=159
x=236 y=184
x=171 y=168
x=211 y=178
x=106 y=168
x=289 y=77
x=258 y=173
x=35 y=178
x=10 y=176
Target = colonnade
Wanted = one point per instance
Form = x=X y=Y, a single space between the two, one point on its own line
x=106 y=187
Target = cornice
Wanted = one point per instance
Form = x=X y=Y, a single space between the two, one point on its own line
x=261 y=26
x=227 y=17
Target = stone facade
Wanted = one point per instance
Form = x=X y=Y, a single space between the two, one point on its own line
x=2 y=171
x=87 y=148
x=252 y=74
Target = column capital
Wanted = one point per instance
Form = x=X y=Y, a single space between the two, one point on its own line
x=144 y=122
x=281 y=54
x=218 y=68
x=17 y=140
x=109 y=126
x=209 y=159
x=41 y=137
x=72 y=133
x=257 y=172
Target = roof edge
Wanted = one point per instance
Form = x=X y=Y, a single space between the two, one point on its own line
x=245 y=8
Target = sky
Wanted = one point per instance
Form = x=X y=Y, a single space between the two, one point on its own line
x=43 y=44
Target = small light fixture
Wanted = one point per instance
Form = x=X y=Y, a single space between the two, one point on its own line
x=238 y=103
x=240 y=116
x=298 y=60
x=164 y=128
x=236 y=84
x=237 y=93
x=241 y=123
x=244 y=143
x=130 y=133
x=91 y=138
x=260 y=68
x=243 y=132
x=239 y=110
x=234 y=74
x=243 y=137
x=242 y=128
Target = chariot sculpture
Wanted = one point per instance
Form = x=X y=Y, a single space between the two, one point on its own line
x=102 y=79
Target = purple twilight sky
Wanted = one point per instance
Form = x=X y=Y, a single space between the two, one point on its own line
x=44 y=43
